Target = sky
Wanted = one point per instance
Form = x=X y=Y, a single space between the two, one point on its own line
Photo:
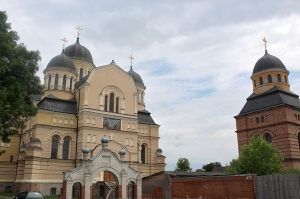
x=195 y=57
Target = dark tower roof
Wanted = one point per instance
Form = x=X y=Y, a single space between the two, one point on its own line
x=268 y=62
x=79 y=52
x=136 y=77
x=61 y=62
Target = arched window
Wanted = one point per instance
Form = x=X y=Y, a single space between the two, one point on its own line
x=269 y=79
x=111 y=102
x=262 y=119
x=105 y=103
x=268 y=137
x=54 y=147
x=71 y=81
x=64 y=83
x=279 y=78
x=49 y=82
x=56 y=82
x=117 y=105
x=143 y=154
x=257 y=120
x=81 y=73
x=261 y=81
x=254 y=82
x=285 y=77
x=66 y=148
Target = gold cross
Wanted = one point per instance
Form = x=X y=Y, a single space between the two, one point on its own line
x=264 y=40
x=64 y=40
x=78 y=29
x=131 y=58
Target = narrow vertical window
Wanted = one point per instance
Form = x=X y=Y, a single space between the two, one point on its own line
x=279 y=78
x=54 y=147
x=117 y=105
x=11 y=158
x=254 y=83
x=262 y=119
x=260 y=81
x=64 y=83
x=71 y=81
x=143 y=154
x=89 y=72
x=111 y=102
x=269 y=79
x=286 y=80
x=56 y=82
x=257 y=120
x=105 y=103
x=66 y=148
x=81 y=73
x=49 y=82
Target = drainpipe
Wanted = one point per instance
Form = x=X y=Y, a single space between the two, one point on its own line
x=77 y=127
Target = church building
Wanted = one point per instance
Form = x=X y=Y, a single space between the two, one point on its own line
x=272 y=111
x=82 y=104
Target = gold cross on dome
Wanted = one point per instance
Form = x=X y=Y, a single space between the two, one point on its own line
x=64 y=40
x=78 y=29
x=131 y=58
x=265 y=41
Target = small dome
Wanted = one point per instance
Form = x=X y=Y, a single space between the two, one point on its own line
x=36 y=140
x=136 y=77
x=85 y=150
x=122 y=152
x=61 y=62
x=78 y=51
x=104 y=140
x=159 y=150
x=268 y=62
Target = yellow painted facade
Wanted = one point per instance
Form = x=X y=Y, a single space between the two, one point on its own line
x=80 y=106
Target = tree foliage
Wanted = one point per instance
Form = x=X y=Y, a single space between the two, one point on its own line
x=259 y=157
x=209 y=167
x=183 y=164
x=18 y=81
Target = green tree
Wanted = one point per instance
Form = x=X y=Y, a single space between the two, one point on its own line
x=18 y=81
x=259 y=157
x=183 y=164
x=209 y=167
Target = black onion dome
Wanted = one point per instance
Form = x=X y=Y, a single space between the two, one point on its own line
x=61 y=62
x=268 y=62
x=79 y=52
x=136 y=77
x=122 y=152
x=158 y=150
x=104 y=140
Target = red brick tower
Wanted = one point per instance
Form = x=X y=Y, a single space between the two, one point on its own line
x=272 y=111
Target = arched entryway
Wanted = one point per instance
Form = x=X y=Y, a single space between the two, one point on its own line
x=105 y=185
x=77 y=191
x=131 y=190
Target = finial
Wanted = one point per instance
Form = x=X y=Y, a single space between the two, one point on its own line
x=78 y=29
x=64 y=40
x=131 y=58
x=265 y=41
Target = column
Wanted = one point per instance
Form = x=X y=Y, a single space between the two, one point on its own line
x=140 y=154
x=69 y=190
x=87 y=184
x=52 y=81
x=61 y=143
x=60 y=80
x=139 y=188
x=124 y=186
x=68 y=83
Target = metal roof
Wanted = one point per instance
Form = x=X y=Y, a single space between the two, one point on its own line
x=53 y=103
x=79 y=52
x=136 y=77
x=82 y=81
x=268 y=62
x=144 y=117
x=62 y=62
x=274 y=97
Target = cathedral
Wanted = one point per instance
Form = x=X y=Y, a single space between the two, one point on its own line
x=82 y=104
x=272 y=111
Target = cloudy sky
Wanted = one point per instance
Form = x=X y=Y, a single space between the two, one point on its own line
x=195 y=57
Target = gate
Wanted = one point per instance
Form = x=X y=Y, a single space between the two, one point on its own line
x=105 y=190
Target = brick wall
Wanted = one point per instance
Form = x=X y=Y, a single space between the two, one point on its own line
x=214 y=187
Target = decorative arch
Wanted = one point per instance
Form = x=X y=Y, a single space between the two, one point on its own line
x=112 y=99
x=110 y=169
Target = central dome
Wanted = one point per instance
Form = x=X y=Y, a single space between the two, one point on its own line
x=78 y=51
x=268 y=62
